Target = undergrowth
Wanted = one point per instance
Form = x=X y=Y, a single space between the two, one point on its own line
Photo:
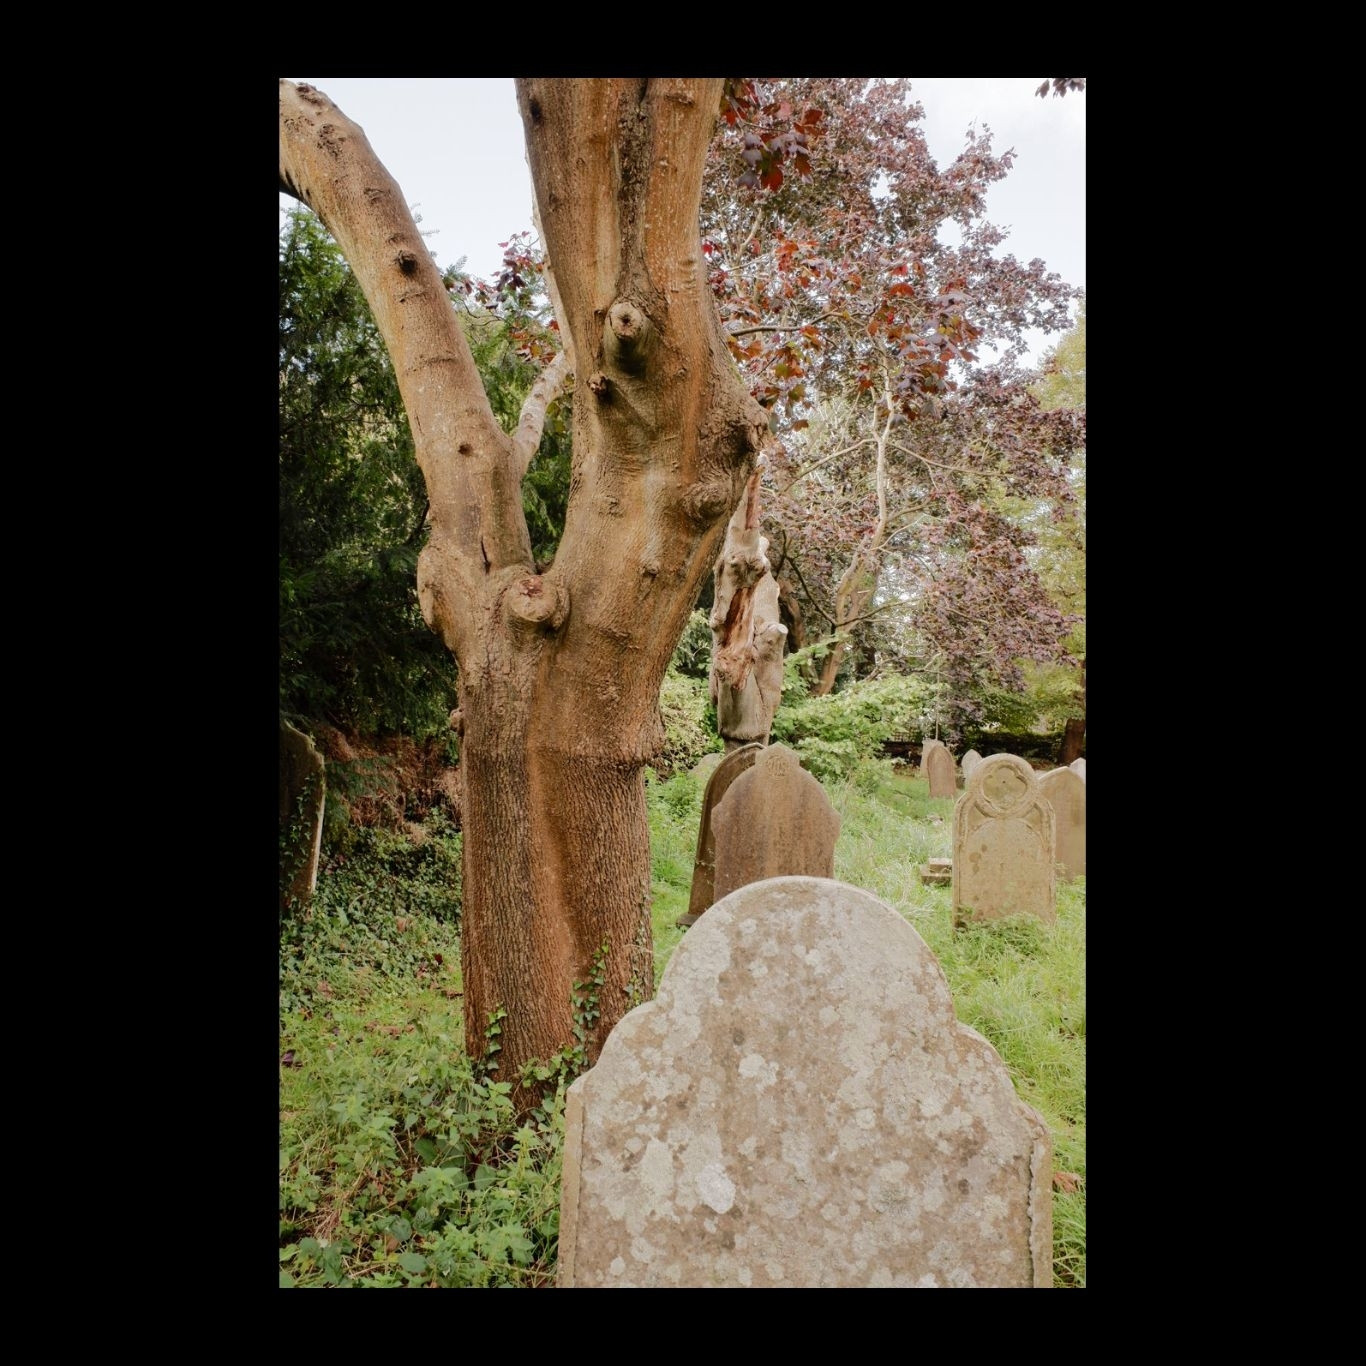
x=402 y=1163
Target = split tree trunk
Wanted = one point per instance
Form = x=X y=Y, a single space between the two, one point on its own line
x=560 y=672
x=747 y=638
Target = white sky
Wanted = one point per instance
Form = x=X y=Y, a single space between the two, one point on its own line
x=455 y=148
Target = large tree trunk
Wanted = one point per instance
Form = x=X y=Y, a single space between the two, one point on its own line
x=559 y=673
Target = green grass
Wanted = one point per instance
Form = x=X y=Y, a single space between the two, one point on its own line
x=401 y=1161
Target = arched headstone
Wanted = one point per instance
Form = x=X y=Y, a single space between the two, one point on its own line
x=702 y=892
x=943 y=772
x=1066 y=793
x=799 y=1107
x=773 y=822
x=1003 y=838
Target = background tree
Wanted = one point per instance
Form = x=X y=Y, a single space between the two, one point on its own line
x=559 y=672
x=353 y=648
x=1062 y=542
x=867 y=278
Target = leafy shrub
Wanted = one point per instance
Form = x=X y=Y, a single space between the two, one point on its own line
x=683 y=705
x=692 y=654
x=837 y=733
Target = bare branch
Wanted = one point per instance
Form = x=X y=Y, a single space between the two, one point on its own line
x=551 y=384
x=789 y=327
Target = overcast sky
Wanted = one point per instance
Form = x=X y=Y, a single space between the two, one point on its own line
x=455 y=148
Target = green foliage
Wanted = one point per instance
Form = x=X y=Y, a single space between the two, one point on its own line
x=399 y=1164
x=402 y=1163
x=354 y=649
x=836 y=734
x=675 y=813
x=1018 y=982
x=689 y=723
x=692 y=654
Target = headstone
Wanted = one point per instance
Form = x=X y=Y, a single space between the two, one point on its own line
x=926 y=746
x=774 y=821
x=1066 y=793
x=1078 y=766
x=799 y=1107
x=936 y=871
x=970 y=761
x=1003 y=845
x=702 y=893
x=707 y=765
x=303 y=790
x=943 y=772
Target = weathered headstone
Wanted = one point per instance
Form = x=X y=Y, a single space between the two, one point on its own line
x=943 y=772
x=925 y=747
x=303 y=790
x=774 y=821
x=799 y=1107
x=703 y=893
x=936 y=872
x=970 y=761
x=707 y=765
x=1066 y=793
x=1003 y=837
x=1078 y=766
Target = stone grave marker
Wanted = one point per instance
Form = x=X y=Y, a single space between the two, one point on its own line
x=943 y=772
x=303 y=789
x=1066 y=793
x=702 y=892
x=1078 y=766
x=926 y=746
x=936 y=872
x=970 y=761
x=1003 y=841
x=774 y=820
x=799 y=1107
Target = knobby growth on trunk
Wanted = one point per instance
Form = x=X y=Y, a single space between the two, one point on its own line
x=559 y=672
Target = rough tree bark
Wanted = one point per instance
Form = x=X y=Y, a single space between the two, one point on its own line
x=560 y=672
x=747 y=638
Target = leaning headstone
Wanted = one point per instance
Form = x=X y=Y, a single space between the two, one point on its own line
x=799 y=1107
x=970 y=761
x=1003 y=845
x=1066 y=793
x=703 y=891
x=943 y=772
x=775 y=821
x=925 y=748
x=302 y=794
x=1078 y=766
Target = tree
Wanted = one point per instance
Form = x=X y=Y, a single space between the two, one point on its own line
x=353 y=650
x=1063 y=566
x=560 y=671
x=859 y=290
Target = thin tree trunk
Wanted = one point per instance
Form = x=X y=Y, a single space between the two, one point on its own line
x=858 y=584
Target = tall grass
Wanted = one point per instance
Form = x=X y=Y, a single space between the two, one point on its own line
x=401 y=1161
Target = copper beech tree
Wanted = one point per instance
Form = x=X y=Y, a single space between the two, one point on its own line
x=559 y=672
